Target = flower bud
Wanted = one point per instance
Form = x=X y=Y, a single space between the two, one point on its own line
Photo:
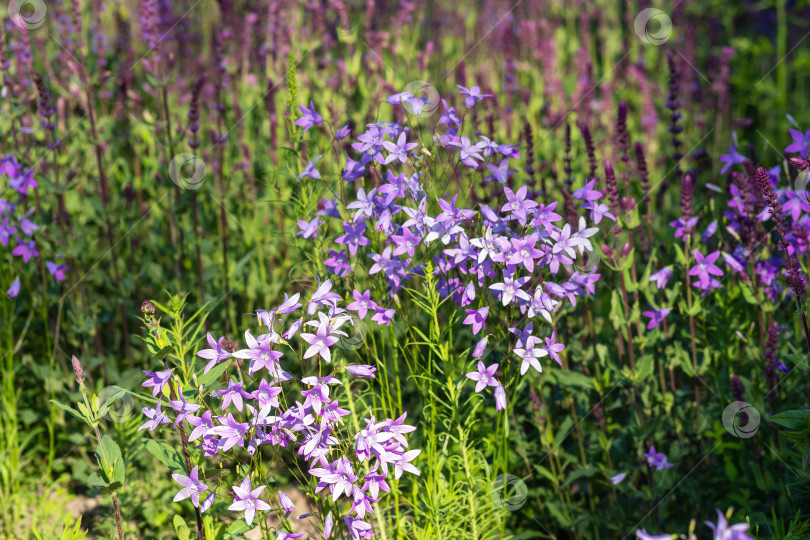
x=606 y=250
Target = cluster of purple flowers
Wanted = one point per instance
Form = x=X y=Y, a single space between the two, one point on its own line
x=510 y=253
x=16 y=226
x=239 y=419
x=747 y=209
x=721 y=530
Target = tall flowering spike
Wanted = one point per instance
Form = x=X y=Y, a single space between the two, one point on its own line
x=612 y=187
x=674 y=104
x=569 y=180
x=589 y=147
x=686 y=196
x=622 y=135
x=794 y=270
x=78 y=370
x=643 y=172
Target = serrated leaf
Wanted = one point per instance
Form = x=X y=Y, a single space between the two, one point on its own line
x=167 y=455
x=180 y=527
x=95 y=480
x=238 y=528
x=208 y=378
x=69 y=409
x=790 y=419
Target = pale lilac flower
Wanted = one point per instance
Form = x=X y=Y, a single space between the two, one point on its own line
x=399 y=150
x=247 y=500
x=328 y=524
x=657 y=459
x=261 y=355
x=365 y=371
x=500 y=398
x=322 y=339
x=309 y=229
x=705 y=267
x=529 y=356
x=26 y=250
x=14 y=289
x=6 y=231
x=183 y=408
x=156 y=417
x=234 y=394
x=362 y=303
x=656 y=316
x=472 y=95
x=383 y=316
x=724 y=531
x=485 y=376
x=157 y=380
x=615 y=480
x=57 y=270
x=642 y=535
x=215 y=354
x=517 y=205
x=286 y=503
x=353 y=236
x=501 y=172
x=587 y=192
x=480 y=347
x=232 y=433
x=310 y=117
x=192 y=487
x=511 y=289
x=476 y=318
x=406 y=242
x=553 y=348
x=662 y=277
x=801 y=143
x=732 y=158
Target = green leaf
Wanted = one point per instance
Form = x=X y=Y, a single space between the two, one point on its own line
x=748 y=294
x=644 y=368
x=167 y=455
x=71 y=410
x=585 y=472
x=94 y=480
x=183 y=532
x=800 y=360
x=215 y=373
x=790 y=419
x=238 y=528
